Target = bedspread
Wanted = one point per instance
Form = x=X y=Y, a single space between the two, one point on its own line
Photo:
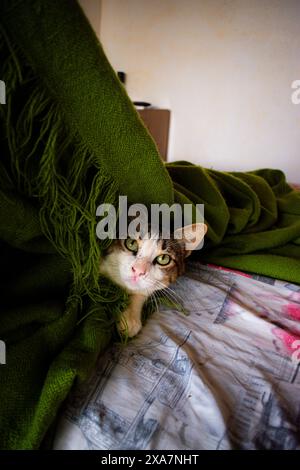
x=225 y=376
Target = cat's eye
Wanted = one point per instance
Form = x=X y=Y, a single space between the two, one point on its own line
x=131 y=245
x=163 y=260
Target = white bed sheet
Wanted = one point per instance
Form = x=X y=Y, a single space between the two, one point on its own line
x=226 y=376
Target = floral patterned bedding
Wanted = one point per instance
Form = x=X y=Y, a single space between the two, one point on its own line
x=225 y=376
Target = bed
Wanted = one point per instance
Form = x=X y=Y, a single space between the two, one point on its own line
x=224 y=376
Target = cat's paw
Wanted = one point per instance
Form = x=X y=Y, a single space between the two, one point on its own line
x=133 y=327
x=129 y=326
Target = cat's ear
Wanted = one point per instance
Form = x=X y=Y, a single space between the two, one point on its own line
x=191 y=235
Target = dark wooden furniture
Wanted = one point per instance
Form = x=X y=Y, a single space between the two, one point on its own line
x=158 y=122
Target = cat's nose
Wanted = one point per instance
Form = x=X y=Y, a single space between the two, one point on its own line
x=138 y=271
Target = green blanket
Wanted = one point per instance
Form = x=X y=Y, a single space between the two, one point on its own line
x=71 y=139
x=253 y=217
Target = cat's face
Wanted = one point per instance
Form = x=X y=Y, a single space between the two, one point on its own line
x=144 y=265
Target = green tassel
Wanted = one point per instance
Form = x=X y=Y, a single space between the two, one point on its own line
x=48 y=163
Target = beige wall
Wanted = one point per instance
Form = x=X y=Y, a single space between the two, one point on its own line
x=92 y=9
x=223 y=67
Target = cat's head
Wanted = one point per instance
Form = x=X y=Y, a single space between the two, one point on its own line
x=150 y=263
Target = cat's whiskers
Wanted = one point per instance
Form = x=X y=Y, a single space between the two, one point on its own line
x=172 y=299
x=163 y=294
x=170 y=291
x=167 y=292
x=154 y=296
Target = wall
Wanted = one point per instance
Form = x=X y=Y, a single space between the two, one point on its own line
x=92 y=10
x=223 y=67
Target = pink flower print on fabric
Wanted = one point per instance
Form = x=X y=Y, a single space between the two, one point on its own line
x=287 y=339
x=292 y=310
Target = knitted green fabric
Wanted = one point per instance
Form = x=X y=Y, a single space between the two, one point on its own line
x=253 y=218
x=71 y=139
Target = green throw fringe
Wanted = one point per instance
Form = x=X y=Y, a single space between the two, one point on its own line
x=50 y=164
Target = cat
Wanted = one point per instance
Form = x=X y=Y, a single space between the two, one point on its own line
x=143 y=265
